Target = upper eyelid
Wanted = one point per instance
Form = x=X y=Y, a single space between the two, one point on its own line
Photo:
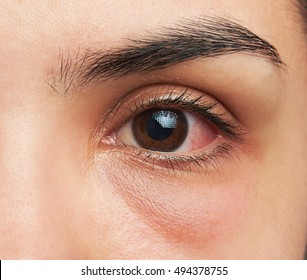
x=178 y=97
x=194 y=105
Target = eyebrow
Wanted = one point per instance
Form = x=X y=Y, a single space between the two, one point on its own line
x=187 y=40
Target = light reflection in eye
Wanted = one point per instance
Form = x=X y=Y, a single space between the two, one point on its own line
x=167 y=119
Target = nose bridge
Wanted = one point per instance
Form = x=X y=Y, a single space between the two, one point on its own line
x=28 y=205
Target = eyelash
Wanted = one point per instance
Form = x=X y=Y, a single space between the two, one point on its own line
x=194 y=105
x=202 y=161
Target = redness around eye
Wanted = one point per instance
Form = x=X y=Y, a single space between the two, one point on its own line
x=202 y=134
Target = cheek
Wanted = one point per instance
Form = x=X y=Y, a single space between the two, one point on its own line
x=200 y=209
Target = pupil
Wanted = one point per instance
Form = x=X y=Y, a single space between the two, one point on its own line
x=160 y=125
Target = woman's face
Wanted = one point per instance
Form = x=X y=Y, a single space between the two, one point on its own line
x=152 y=129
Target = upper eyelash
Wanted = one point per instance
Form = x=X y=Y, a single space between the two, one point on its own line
x=193 y=105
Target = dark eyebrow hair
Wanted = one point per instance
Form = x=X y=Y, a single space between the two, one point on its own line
x=189 y=39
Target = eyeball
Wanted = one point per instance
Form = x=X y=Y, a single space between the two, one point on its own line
x=167 y=130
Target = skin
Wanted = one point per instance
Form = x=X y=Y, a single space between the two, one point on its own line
x=64 y=194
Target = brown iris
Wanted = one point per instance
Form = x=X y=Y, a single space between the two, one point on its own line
x=160 y=129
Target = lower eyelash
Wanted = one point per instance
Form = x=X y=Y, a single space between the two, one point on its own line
x=199 y=163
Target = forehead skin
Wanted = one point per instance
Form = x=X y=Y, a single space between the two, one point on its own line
x=33 y=33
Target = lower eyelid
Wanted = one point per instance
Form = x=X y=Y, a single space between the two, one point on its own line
x=206 y=162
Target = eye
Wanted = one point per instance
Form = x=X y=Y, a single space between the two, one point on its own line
x=167 y=130
x=172 y=127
